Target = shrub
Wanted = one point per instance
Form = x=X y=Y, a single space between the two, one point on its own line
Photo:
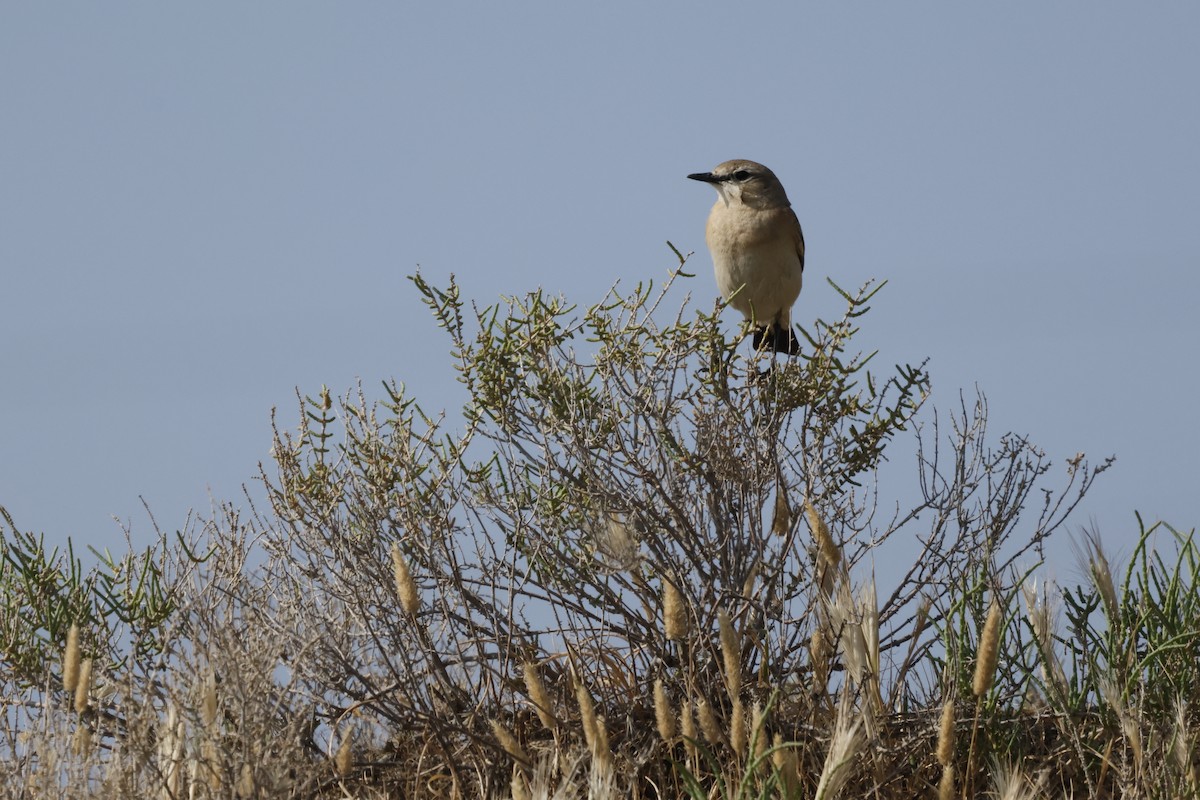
x=627 y=569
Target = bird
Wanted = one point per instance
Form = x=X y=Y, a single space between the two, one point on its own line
x=757 y=249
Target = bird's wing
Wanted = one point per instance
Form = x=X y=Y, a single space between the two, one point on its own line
x=799 y=237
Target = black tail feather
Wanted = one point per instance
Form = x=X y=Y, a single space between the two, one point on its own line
x=781 y=340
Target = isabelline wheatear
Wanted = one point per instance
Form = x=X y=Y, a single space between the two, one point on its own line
x=757 y=248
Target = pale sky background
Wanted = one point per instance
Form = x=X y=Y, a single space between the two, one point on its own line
x=205 y=205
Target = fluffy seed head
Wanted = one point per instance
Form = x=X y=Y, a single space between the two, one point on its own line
x=1040 y=613
x=406 y=589
x=758 y=733
x=509 y=742
x=519 y=787
x=602 y=753
x=820 y=653
x=662 y=713
x=945 y=742
x=81 y=741
x=587 y=715
x=70 y=662
x=779 y=754
x=1101 y=574
x=782 y=523
x=989 y=646
x=344 y=760
x=788 y=765
x=540 y=697
x=708 y=723
x=738 y=738
x=84 y=686
x=245 y=783
x=831 y=554
x=210 y=757
x=675 y=617
x=946 y=785
x=731 y=655
x=687 y=727
x=848 y=739
x=208 y=700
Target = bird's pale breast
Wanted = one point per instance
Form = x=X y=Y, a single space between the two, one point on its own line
x=755 y=250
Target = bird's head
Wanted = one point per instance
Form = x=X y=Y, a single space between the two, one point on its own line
x=746 y=182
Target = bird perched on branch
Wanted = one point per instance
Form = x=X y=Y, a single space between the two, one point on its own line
x=757 y=248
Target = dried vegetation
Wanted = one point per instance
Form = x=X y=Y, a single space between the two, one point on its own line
x=639 y=565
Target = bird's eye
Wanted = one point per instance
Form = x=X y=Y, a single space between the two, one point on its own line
x=741 y=175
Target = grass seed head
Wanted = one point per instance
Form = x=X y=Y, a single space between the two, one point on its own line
x=539 y=696
x=84 y=686
x=820 y=655
x=848 y=740
x=344 y=760
x=663 y=715
x=1101 y=575
x=945 y=741
x=587 y=715
x=989 y=647
x=1041 y=619
x=708 y=723
x=509 y=742
x=787 y=763
x=602 y=752
x=675 y=616
x=406 y=588
x=687 y=727
x=782 y=522
x=830 y=553
x=71 y=658
x=731 y=656
x=208 y=701
x=245 y=784
x=738 y=738
x=81 y=741
x=758 y=733
x=946 y=784
x=518 y=786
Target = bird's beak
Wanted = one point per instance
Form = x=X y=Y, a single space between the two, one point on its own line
x=707 y=177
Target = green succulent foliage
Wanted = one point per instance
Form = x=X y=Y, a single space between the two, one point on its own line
x=44 y=591
x=580 y=403
x=1143 y=637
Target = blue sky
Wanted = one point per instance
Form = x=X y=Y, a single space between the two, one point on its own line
x=204 y=206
